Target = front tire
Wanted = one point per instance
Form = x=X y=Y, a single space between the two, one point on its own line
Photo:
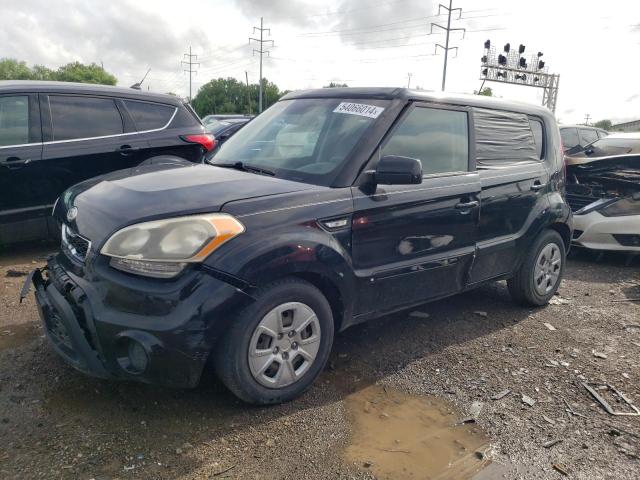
x=540 y=274
x=277 y=346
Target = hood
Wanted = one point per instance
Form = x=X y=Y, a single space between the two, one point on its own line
x=108 y=203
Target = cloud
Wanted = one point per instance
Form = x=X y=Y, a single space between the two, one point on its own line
x=280 y=11
x=385 y=24
x=122 y=34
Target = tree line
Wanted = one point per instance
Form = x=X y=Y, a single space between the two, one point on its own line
x=11 y=69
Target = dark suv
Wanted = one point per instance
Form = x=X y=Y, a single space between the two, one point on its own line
x=331 y=208
x=54 y=134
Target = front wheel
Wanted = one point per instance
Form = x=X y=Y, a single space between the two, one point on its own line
x=277 y=346
x=540 y=274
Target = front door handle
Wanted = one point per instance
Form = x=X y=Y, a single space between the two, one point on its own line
x=537 y=186
x=467 y=205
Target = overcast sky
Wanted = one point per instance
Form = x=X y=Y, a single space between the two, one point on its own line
x=594 y=46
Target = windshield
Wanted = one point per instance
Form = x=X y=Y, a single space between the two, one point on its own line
x=305 y=140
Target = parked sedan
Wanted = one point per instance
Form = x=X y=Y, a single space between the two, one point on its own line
x=576 y=137
x=222 y=130
x=604 y=192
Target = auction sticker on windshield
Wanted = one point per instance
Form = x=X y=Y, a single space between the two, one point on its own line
x=361 y=109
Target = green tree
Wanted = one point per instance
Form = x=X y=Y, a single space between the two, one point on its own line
x=486 y=91
x=78 y=72
x=603 y=124
x=228 y=95
x=11 y=69
x=335 y=85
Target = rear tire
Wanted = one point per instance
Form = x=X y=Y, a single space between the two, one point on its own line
x=276 y=347
x=540 y=274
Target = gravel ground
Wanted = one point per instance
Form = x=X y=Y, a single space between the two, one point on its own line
x=57 y=423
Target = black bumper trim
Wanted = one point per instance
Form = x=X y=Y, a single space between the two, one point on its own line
x=54 y=309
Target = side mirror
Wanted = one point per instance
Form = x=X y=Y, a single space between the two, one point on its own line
x=396 y=170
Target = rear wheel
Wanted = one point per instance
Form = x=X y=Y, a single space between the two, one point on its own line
x=278 y=345
x=540 y=274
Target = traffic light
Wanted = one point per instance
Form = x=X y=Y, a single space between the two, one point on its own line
x=521 y=49
x=502 y=60
x=540 y=64
x=507 y=47
x=485 y=71
x=522 y=62
x=487 y=44
x=484 y=59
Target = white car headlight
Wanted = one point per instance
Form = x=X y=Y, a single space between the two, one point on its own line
x=163 y=248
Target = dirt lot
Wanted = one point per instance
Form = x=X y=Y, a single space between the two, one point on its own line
x=455 y=357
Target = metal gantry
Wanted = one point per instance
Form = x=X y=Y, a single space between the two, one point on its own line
x=511 y=66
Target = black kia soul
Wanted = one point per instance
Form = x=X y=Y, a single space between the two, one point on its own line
x=331 y=208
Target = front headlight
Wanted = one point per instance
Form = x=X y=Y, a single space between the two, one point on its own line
x=622 y=207
x=163 y=248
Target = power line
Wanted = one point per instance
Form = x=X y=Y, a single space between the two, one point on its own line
x=190 y=64
x=448 y=29
x=261 y=51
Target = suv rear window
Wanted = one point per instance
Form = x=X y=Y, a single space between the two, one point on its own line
x=503 y=138
x=588 y=136
x=84 y=117
x=14 y=120
x=569 y=137
x=149 y=116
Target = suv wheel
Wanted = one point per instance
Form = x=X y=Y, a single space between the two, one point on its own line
x=540 y=274
x=277 y=346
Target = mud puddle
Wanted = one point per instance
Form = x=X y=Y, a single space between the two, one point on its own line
x=399 y=436
x=12 y=336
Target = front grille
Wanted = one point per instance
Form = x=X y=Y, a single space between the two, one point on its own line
x=577 y=202
x=74 y=245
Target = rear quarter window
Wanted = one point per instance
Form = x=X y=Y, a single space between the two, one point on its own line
x=538 y=135
x=503 y=138
x=149 y=116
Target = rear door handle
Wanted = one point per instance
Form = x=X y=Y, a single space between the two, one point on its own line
x=127 y=149
x=537 y=186
x=13 y=163
x=467 y=205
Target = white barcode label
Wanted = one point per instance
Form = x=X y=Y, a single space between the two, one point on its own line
x=361 y=109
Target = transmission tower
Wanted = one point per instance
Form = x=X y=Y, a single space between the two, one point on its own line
x=190 y=64
x=447 y=29
x=261 y=51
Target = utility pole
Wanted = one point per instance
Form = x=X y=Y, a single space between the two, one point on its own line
x=246 y=74
x=586 y=119
x=261 y=41
x=409 y=80
x=190 y=64
x=448 y=29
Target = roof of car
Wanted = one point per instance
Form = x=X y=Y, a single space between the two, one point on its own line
x=424 y=95
x=35 y=86
x=628 y=135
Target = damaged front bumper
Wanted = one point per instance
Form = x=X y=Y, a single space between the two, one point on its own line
x=599 y=232
x=94 y=326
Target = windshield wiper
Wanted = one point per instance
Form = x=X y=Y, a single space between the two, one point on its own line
x=246 y=168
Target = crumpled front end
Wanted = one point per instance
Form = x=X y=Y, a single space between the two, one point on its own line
x=604 y=195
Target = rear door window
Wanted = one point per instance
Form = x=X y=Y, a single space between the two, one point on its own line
x=438 y=138
x=149 y=116
x=503 y=138
x=77 y=117
x=14 y=120
x=587 y=136
x=569 y=137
